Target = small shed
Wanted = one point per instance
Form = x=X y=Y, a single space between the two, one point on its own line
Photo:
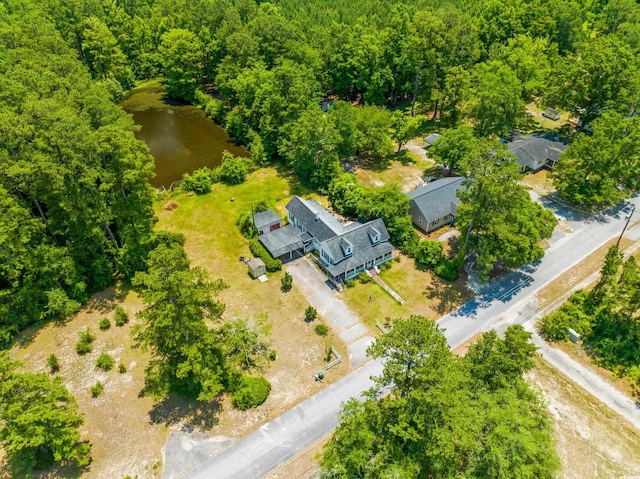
x=256 y=267
x=551 y=113
x=431 y=139
x=573 y=335
x=267 y=221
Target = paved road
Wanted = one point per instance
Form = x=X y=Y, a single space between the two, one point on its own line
x=504 y=301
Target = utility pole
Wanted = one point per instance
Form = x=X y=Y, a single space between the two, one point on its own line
x=633 y=208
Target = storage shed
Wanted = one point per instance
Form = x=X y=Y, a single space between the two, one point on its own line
x=256 y=267
x=551 y=113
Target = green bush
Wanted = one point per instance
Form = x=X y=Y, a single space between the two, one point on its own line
x=199 y=181
x=104 y=324
x=121 y=316
x=350 y=283
x=105 y=361
x=449 y=270
x=259 y=251
x=233 y=171
x=251 y=392
x=272 y=355
x=430 y=253
x=310 y=314
x=246 y=226
x=286 y=282
x=96 y=389
x=364 y=278
x=321 y=329
x=122 y=368
x=52 y=362
x=87 y=336
x=83 y=348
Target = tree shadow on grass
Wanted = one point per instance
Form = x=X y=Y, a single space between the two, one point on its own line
x=191 y=414
x=448 y=295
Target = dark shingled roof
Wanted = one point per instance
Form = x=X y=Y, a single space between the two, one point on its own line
x=533 y=151
x=318 y=221
x=281 y=241
x=360 y=239
x=265 y=218
x=435 y=199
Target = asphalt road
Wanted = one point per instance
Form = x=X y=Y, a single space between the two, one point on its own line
x=506 y=300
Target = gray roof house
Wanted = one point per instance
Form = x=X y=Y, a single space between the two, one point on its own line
x=434 y=204
x=537 y=150
x=344 y=249
x=551 y=113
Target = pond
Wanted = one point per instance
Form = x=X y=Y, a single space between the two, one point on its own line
x=181 y=138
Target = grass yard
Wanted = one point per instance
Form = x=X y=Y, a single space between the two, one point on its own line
x=592 y=441
x=539 y=182
x=405 y=170
x=127 y=431
x=424 y=293
x=546 y=123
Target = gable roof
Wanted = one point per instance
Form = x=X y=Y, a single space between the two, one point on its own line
x=533 y=151
x=321 y=224
x=435 y=199
x=359 y=238
x=281 y=241
x=265 y=218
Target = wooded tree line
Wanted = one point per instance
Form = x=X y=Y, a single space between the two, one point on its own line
x=445 y=416
x=606 y=317
x=75 y=202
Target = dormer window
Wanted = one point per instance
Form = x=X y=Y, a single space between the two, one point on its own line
x=347 y=247
x=374 y=235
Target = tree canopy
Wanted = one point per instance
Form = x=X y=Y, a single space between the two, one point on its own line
x=445 y=416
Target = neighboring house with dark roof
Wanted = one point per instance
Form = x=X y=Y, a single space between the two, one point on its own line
x=434 y=204
x=266 y=221
x=537 y=150
x=344 y=249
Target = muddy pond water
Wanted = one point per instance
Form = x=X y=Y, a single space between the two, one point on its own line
x=181 y=138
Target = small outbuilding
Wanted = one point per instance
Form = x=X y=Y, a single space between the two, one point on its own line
x=551 y=113
x=434 y=204
x=256 y=267
x=431 y=139
x=267 y=221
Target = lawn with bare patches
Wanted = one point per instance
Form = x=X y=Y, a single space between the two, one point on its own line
x=592 y=441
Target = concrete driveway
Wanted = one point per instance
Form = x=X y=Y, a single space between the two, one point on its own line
x=313 y=284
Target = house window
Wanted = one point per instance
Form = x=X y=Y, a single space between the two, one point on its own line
x=348 y=250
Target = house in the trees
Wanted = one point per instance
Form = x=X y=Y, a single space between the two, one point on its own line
x=434 y=205
x=551 y=113
x=344 y=249
x=537 y=150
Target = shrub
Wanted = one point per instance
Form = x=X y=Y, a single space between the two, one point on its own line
x=430 y=253
x=199 y=181
x=321 y=329
x=251 y=392
x=364 y=278
x=246 y=226
x=83 y=348
x=121 y=316
x=272 y=355
x=122 y=368
x=233 y=171
x=350 y=283
x=286 y=282
x=96 y=389
x=104 y=324
x=310 y=314
x=87 y=336
x=104 y=361
x=52 y=362
x=449 y=270
x=259 y=251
